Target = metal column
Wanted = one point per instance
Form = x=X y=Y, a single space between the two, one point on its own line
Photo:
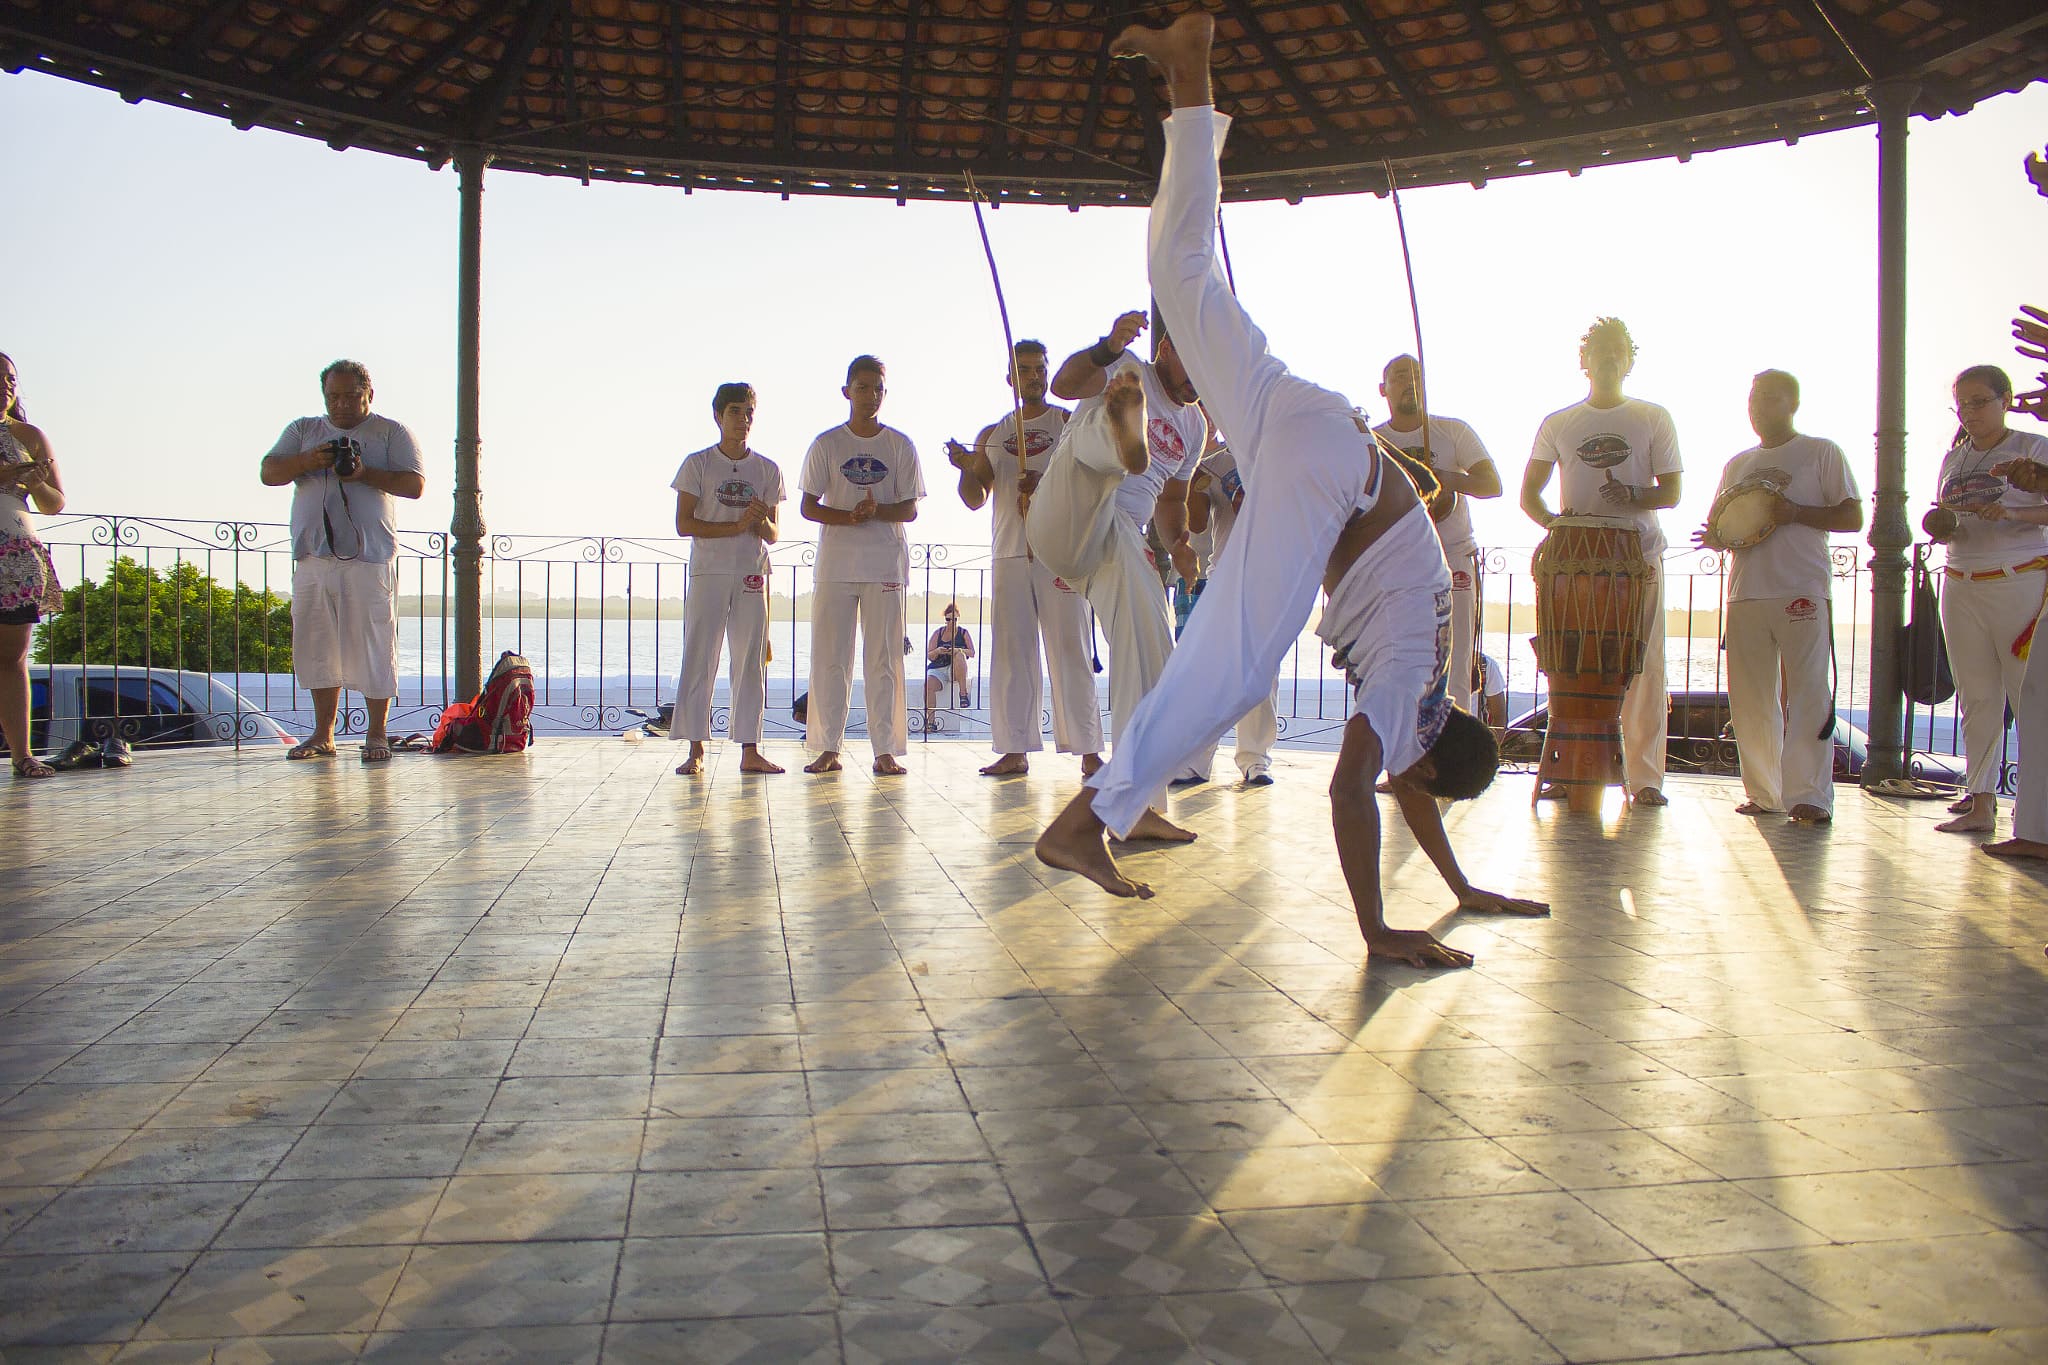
x=1890 y=536
x=467 y=528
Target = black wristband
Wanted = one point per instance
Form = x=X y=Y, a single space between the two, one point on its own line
x=1102 y=355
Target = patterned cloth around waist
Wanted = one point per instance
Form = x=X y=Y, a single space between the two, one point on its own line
x=27 y=577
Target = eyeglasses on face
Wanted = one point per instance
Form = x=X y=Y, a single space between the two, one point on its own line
x=1968 y=405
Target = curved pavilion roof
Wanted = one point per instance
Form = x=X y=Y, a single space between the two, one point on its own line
x=903 y=97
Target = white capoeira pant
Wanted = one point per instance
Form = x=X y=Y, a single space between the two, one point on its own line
x=1786 y=761
x=2030 y=807
x=1646 y=706
x=1306 y=468
x=1981 y=618
x=345 y=624
x=1032 y=601
x=880 y=608
x=1258 y=730
x=1464 y=594
x=1075 y=529
x=729 y=610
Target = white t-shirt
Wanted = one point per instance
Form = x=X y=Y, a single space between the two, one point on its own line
x=1174 y=436
x=1966 y=478
x=1632 y=441
x=841 y=469
x=1793 y=560
x=1493 y=681
x=1226 y=483
x=1453 y=448
x=723 y=488
x=1041 y=434
x=361 y=517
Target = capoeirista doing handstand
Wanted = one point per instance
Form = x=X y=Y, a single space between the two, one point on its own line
x=1322 y=509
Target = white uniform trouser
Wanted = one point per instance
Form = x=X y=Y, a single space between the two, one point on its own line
x=1075 y=528
x=1257 y=731
x=1980 y=619
x=1032 y=601
x=880 y=606
x=1646 y=706
x=1786 y=762
x=1464 y=571
x=1304 y=464
x=726 y=609
x=2030 y=807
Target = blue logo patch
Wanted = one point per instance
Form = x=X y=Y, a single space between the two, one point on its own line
x=863 y=470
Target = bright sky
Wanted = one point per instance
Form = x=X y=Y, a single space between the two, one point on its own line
x=177 y=285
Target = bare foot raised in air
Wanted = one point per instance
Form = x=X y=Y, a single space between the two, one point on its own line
x=1075 y=843
x=827 y=762
x=1180 y=52
x=1123 y=404
x=1157 y=828
x=751 y=761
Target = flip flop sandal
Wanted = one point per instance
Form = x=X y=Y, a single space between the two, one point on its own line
x=306 y=748
x=380 y=752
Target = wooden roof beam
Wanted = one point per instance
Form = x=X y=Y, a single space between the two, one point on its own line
x=1368 y=34
x=785 y=95
x=1503 y=62
x=459 y=39
x=999 y=139
x=1304 y=99
x=479 y=121
x=906 y=75
x=1866 y=46
x=1600 y=20
x=1738 y=47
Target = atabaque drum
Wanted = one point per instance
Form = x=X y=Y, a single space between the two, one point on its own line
x=1592 y=590
x=1745 y=513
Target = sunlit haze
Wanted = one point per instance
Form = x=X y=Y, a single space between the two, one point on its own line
x=175 y=287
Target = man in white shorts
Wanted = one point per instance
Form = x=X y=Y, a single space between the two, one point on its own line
x=1461 y=464
x=1031 y=601
x=726 y=501
x=1320 y=504
x=1088 y=516
x=1617 y=456
x=861 y=483
x=345 y=468
x=1780 y=623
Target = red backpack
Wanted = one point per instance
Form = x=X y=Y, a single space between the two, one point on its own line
x=499 y=721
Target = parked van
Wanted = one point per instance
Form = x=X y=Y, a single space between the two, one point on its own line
x=150 y=708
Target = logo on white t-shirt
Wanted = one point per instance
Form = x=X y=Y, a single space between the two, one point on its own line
x=863 y=470
x=734 y=493
x=1604 y=451
x=1166 y=439
x=1972 y=490
x=1036 y=443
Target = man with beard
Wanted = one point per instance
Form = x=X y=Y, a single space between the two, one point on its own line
x=1464 y=470
x=1617 y=457
x=1030 y=600
x=1087 y=518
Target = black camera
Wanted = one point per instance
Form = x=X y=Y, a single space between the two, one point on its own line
x=348 y=456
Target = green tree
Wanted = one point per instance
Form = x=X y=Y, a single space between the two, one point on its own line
x=175 y=619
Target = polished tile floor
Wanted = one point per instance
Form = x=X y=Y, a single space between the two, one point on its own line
x=562 y=1058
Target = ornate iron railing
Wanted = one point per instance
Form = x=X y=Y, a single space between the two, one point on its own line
x=600 y=619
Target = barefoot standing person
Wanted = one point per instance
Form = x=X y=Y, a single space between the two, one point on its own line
x=1320 y=506
x=1030 y=602
x=1124 y=461
x=1994 y=580
x=861 y=483
x=28 y=581
x=726 y=500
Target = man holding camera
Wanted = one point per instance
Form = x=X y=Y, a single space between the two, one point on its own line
x=344 y=468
